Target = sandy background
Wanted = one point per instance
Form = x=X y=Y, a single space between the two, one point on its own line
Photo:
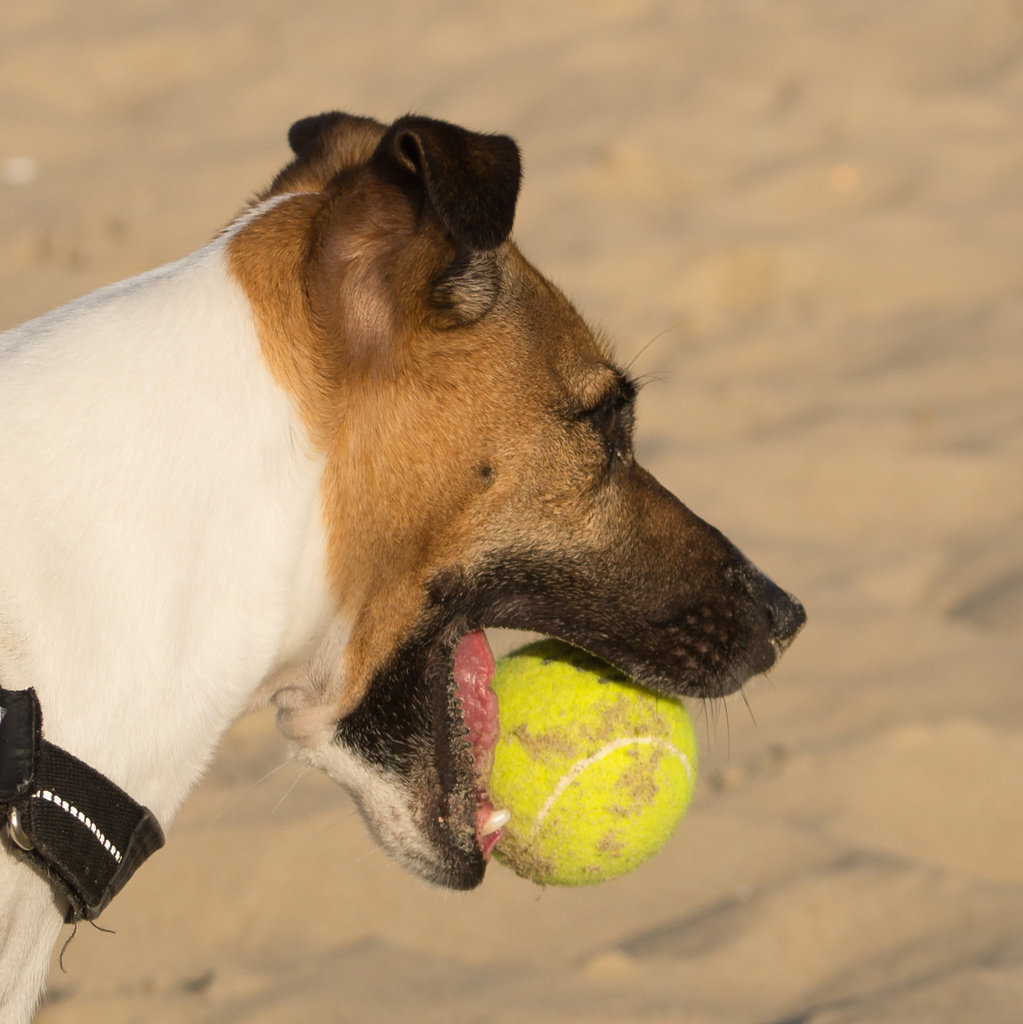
x=806 y=221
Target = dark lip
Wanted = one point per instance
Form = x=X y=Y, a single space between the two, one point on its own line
x=693 y=651
x=460 y=739
x=451 y=814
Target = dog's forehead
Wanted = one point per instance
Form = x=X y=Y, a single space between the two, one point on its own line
x=554 y=334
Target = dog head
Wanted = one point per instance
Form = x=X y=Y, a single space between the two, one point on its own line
x=479 y=471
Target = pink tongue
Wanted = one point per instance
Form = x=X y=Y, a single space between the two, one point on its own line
x=474 y=670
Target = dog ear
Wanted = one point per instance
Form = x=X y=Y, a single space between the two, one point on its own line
x=325 y=145
x=471 y=181
x=306 y=136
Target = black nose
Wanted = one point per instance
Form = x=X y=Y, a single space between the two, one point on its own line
x=785 y=615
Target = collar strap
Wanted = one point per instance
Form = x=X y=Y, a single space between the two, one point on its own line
x=83 y=833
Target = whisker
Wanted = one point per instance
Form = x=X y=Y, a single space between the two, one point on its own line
x=289 y=791
x=657 y=337
x=728 y=730
x=705 y=712
x=658 y=377
x=749 y=708
x=708 y=708
x=341 y=818
x=245 y=792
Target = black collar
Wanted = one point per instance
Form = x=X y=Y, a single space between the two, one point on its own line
x=86 y=836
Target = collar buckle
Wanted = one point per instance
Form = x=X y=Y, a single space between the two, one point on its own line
x=17 y=833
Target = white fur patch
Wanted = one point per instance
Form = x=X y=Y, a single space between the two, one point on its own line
x=384 y=802
x=162 y=545
x=160 y=522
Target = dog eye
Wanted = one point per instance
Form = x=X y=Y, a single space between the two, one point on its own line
x=613 y=421
x=607 y=417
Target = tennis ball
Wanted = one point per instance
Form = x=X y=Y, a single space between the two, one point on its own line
x=595 y=771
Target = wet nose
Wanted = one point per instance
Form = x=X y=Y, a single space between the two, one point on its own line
x=785 y=615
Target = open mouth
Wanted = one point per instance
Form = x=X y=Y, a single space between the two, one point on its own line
x=473 y=674
x=417 y=752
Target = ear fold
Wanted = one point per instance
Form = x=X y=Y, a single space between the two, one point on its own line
x=470 y=180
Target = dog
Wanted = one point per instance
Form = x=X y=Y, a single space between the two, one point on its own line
x=307 y=465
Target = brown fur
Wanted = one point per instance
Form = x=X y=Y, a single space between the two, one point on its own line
x=478 y=471
x=467 y=414
x=429 y=432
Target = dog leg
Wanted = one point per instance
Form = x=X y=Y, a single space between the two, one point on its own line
x=30 y=920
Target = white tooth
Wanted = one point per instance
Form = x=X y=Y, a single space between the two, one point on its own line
x=497 y=820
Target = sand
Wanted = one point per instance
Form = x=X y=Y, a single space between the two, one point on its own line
x=801 y=222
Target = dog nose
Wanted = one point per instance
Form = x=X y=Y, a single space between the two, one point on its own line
x=785 y=615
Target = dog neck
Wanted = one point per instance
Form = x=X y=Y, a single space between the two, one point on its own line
x=193 y=500
x=167 y=565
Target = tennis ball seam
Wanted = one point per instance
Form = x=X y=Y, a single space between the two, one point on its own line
x=580 y=766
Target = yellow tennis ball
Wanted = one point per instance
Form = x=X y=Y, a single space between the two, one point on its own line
x=595 y=771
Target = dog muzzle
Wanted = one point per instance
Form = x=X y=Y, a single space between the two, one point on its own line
x=85 y=835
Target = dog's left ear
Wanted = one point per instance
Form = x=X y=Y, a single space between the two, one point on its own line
x=325 y=145
x=471 y=181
